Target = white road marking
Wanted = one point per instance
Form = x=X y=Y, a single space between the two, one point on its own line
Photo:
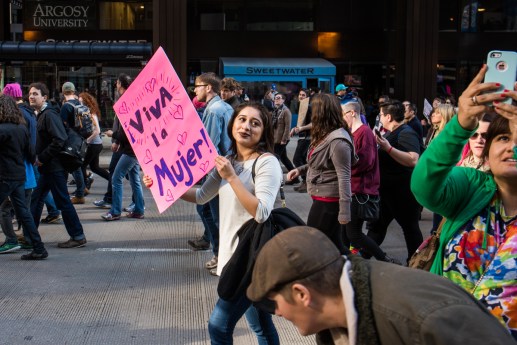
x=145 y=250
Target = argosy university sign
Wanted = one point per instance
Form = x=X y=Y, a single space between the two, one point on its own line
x=53 y=15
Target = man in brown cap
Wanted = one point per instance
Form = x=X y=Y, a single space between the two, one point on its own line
x=300 y=275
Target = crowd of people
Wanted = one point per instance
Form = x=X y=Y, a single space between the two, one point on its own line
x=361 y=174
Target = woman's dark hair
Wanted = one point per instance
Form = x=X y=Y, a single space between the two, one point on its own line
x=394 y=108
x=266 y=141
x=124 y=80
x=9 y=111
x=326 y=117
x=307 y=93
x=499 y=125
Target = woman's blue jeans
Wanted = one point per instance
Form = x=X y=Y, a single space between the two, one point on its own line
x=225 y=315
x=127 y=165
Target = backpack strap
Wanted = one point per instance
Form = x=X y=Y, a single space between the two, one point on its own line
x=282 y=194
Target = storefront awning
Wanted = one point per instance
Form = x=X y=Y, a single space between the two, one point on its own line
x=75 y=51
x=281 y=67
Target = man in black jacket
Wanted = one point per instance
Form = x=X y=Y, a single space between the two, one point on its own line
x=51 y=136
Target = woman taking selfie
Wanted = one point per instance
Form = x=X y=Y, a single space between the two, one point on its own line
x=251 y=135
x=478 y=242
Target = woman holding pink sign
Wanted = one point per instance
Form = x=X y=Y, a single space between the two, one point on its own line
x=245 y=198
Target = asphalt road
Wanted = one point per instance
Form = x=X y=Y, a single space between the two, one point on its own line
x=135 y=282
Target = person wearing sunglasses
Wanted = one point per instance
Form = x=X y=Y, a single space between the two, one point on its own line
x=301 y=276
x=478 y=241
x=472 y=155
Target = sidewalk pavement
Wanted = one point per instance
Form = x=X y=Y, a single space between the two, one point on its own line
x=135 y=282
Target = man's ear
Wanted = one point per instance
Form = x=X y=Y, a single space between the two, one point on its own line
x=301 y=294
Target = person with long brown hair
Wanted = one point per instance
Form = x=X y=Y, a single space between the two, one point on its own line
x=328 y=169
x=15 y=148
x=94 y=142
x=247 y=182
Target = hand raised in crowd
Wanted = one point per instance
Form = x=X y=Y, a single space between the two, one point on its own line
x=225 y=168
x=509 y=111
x=384 y=144
x=291 y=175
x=473 y=102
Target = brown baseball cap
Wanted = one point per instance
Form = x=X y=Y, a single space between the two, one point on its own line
x=293 y=254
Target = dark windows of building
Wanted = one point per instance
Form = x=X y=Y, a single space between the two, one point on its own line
x=478 y=16
x=118 y=15
x=252 y=15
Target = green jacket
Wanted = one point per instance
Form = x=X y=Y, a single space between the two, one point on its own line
x=457 y=193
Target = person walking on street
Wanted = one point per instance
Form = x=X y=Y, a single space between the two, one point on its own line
x=15 y=149
x=282 y=126
x=50 y=139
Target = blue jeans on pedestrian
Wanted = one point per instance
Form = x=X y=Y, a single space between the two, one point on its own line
x=56 y=183
x=127 y=165
x=79 y=182
x=16 y=191
x=6 y=217
x=225 y=315
x=209 y=214
x=49 y=200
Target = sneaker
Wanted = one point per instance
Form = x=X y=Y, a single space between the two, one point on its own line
x=130 y=208
x=213 y=272
x=9 y=248
x=135 y=215
x=51 y=219
x=71 y=243
x=23 y=243
x=109 y=217
x=302 y=188
x=35 y=256
x=102 y=204
x=211 y=264
x=199 y=243
x=26 y=246
x=89 y=182
x=77 y=200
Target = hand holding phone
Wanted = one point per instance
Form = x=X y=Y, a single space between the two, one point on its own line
x=502 y=68
x=378 y=133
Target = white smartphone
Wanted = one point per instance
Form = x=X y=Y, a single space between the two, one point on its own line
x=502 y=68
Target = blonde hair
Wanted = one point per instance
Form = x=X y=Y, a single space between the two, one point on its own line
x=447 y=111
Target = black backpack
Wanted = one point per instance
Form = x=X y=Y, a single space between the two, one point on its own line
x=73 y=152
x=83 y=120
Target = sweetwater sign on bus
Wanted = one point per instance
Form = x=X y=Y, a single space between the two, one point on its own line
x=59 y=15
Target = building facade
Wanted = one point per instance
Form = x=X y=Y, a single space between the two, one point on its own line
x=410 y=49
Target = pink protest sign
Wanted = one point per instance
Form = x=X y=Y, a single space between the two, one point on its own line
x=165 y=131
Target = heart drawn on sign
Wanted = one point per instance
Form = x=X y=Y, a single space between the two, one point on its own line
x=169 y=196
x=204 y=166
x=149 y=86
x=123 y=108
x=178 y=113
x=148 y=157
x=182 y=138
